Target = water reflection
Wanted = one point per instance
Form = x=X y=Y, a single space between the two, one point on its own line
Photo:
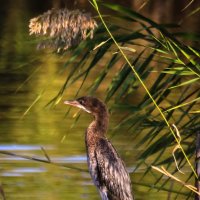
x=22 y=171
x=20 y=85
x=20 y=147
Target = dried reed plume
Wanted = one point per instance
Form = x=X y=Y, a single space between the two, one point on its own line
x=63 y=28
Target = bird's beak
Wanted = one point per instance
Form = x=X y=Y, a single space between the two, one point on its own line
x=76 y=104
x=73 y=103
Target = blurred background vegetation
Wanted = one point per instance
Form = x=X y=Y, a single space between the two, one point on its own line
x=160 y=39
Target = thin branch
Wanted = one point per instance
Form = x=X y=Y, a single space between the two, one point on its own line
x=47 y=161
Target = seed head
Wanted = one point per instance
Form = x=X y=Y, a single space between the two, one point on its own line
x=62 y=28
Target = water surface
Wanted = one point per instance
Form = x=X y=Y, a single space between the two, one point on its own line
x=29 y=79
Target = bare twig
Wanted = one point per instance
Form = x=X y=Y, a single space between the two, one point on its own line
x=45 y=153
x=47 y=161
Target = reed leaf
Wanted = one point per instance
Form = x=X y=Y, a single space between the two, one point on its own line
x=161 y=68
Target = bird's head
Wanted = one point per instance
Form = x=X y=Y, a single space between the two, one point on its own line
x=89 y=104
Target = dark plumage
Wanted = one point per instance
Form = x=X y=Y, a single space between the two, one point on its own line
x=106 y=168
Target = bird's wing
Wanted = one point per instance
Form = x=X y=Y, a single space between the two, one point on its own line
x=111 y=172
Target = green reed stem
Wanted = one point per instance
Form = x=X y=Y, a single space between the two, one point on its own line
x=143 y=85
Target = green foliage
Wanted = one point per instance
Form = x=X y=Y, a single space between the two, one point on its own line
x=148 y=57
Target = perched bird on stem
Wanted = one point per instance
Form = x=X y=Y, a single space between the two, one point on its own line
x=106 y=167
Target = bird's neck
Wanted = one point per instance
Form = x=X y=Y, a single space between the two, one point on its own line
x=99 y=125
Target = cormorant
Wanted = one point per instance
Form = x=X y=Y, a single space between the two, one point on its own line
x=105 y=166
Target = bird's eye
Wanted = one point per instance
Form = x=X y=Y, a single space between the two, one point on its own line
x=81 y=102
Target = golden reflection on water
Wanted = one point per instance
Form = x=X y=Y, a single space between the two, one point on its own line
x=37 y=74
